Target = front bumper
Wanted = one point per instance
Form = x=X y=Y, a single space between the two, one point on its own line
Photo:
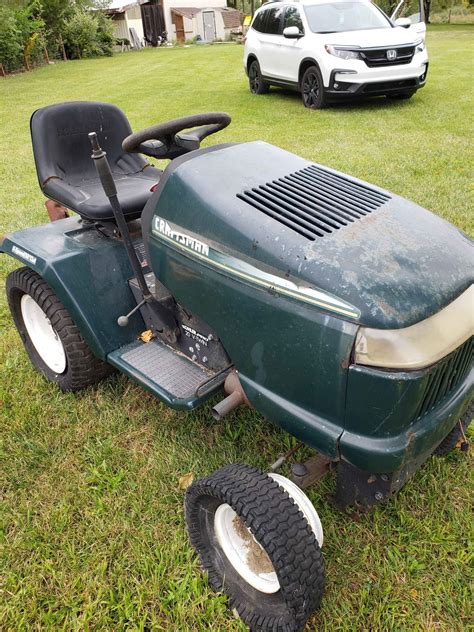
x=394 y=418
x=344 y=84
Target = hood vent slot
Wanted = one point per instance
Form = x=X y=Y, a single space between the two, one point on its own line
x=314 y=202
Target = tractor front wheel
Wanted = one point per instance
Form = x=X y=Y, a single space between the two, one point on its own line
x=51 y=338
x=258 y=537
x=457 y=434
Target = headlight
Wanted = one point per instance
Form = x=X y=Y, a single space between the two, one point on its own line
x=419 y=46
x=422 y=344
x=342 y=53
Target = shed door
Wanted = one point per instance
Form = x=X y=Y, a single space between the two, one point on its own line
x=209 y=26
x=179 y=25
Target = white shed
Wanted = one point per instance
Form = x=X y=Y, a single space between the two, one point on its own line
x=141 y=21
x=208 y=22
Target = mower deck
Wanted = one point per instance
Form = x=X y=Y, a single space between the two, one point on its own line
x=168 y=374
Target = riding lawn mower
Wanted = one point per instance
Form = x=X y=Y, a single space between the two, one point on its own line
x=338 y=310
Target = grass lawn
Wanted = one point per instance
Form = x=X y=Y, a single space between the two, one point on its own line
x=92 y=529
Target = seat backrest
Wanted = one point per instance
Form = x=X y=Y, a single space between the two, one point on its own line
x=62 y=148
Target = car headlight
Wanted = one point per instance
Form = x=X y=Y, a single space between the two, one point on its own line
x=419 y=46
x=342 y=53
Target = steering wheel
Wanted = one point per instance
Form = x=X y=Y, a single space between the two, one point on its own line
x=165 y=140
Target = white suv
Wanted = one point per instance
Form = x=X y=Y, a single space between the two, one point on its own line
x=330 y=49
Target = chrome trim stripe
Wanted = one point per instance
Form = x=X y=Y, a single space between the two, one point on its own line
x=422 y=344
x=242 y=270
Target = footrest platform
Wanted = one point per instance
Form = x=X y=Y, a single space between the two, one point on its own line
x=171 y=376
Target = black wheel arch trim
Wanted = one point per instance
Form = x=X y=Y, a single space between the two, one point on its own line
x=306 y=63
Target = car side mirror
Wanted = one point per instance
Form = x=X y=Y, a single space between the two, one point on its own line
x=292 y=32
x=403 y=22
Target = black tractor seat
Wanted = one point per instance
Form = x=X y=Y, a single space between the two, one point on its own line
x=66 y=172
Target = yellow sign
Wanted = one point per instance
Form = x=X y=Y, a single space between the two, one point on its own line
x=247 y=20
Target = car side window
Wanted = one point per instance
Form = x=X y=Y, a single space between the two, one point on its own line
x=293 y=18
x=273 y=23
x=258 y=23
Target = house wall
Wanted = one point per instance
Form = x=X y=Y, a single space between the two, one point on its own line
x=219 y=22
x=120 y=26
x=167 y=4
x=134 y=20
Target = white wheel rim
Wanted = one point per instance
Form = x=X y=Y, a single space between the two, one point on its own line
x=245 y=554
x=304 y=503
x=45 y=340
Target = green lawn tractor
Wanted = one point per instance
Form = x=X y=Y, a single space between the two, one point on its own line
x=340 y=311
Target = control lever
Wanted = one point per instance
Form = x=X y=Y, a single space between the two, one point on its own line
x=122 y=321
x=167 y=323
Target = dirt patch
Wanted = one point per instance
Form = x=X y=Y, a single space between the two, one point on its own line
x=257 y=558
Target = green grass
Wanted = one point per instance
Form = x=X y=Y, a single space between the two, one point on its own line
x=92 y=530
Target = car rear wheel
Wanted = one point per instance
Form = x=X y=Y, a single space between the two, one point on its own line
x=258 y=537
x=51 y=338
x=256 y=83
x=312 y=89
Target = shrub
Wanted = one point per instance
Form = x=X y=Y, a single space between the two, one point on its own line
x=21 y=35
x=80 y=35
x=105 y=34
x=11 y=49
x=88 y=34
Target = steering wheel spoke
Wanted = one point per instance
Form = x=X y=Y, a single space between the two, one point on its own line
x=154 y=148
x=166 y=140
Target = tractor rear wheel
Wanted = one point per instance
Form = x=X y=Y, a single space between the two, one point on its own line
x=258 y=544
x=51 y=338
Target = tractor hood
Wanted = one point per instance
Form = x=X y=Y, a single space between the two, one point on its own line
x=271 y=215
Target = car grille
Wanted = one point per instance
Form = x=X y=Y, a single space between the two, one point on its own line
x=380 y=86
x=446 y=376
x=378 y=57
x=314 y=202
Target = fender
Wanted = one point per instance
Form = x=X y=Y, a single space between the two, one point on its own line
x=86 y=270
x=305 y=63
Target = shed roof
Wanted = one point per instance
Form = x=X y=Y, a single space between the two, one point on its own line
x=186 y=12
x=232 y=18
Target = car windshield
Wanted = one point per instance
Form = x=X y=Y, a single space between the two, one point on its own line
x=337 y=17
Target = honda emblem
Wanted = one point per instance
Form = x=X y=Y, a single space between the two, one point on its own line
x=391 y=54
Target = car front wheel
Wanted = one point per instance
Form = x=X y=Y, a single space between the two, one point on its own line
x=312 y=89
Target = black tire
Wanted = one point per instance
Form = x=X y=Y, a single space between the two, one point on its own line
x=256 y=83
x=312 y=89
x=401 y=96
x=82 y=367
x=458 y=432
x=279 y=527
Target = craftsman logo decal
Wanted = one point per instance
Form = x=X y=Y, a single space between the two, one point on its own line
x=162 y=227
x=391 y=54
x=24 y=255
x=246 y=273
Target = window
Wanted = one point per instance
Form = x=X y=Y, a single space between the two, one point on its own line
x=273 y=21
x=293 y=18
x=338 y=17
x=259 y=21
